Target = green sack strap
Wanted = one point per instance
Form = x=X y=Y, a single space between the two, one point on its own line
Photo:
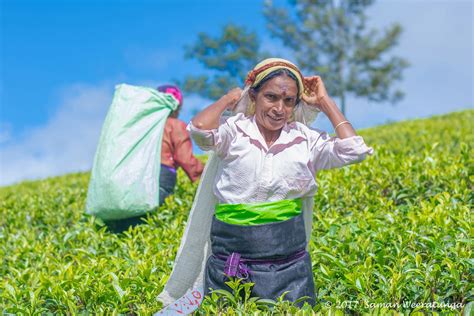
x=258 y=213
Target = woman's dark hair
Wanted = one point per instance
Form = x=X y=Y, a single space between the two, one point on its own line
x=276 y=73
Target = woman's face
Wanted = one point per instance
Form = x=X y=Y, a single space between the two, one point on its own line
x=274 y=102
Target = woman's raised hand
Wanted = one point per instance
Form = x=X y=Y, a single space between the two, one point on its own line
x=233 y=97
x=210 y=116
x=315 y=92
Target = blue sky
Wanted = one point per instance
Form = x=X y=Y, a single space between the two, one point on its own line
x=60 y=61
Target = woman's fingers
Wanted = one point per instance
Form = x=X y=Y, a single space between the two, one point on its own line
x=312 y=83
x=315 y=91
x=234 y=96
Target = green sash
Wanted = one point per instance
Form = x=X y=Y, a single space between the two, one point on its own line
x=258 y=213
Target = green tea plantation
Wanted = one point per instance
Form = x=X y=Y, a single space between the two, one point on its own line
x=391 y=236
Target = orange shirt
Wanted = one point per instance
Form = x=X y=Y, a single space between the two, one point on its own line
x=177 y=149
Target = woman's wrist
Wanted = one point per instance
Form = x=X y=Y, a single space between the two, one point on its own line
x=231 y=98
x=328 y=106
x=230 y=101
x=224 y=103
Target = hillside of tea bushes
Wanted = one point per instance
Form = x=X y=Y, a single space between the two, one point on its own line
x=392 y=234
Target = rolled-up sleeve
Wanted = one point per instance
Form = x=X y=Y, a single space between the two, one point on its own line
x=217 y=139
x=332 y=152
x=204 y=139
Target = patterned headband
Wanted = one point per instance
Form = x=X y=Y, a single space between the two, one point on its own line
x=252 y=75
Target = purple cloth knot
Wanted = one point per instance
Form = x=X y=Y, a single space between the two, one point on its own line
x=234 y=267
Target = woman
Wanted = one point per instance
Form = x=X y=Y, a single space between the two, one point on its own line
x=176 y=148
x=264 y=182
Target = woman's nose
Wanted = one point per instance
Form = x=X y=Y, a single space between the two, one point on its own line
x=279 y=106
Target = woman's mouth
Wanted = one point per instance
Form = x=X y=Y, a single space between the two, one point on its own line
x=275 y=118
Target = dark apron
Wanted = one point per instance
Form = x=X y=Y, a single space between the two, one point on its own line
x=271 y=255
x=167 y=183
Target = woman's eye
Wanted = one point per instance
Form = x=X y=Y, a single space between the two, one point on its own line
x=271 y=97
x=290 y=101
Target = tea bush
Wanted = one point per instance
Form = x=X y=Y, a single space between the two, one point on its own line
x=391 y=235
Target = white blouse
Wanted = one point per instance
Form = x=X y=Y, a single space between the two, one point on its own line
x=250 y=172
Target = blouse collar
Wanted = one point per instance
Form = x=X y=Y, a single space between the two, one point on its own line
x=289 y=134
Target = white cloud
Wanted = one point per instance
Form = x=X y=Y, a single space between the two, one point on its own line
x=66 y=143
x=5 y=132
x=437 y=41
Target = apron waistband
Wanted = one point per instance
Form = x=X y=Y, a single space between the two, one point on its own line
x=258 y=213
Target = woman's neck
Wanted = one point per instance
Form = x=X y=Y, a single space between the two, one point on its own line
x=269 y=136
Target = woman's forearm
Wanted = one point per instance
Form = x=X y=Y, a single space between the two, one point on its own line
x=329 y=107
x=209 y=117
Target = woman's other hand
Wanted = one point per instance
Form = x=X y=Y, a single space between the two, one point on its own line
x=315 y=94
x=232 y=97
x=209 y=117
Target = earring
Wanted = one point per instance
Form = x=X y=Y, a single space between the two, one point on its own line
x=250 y=108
